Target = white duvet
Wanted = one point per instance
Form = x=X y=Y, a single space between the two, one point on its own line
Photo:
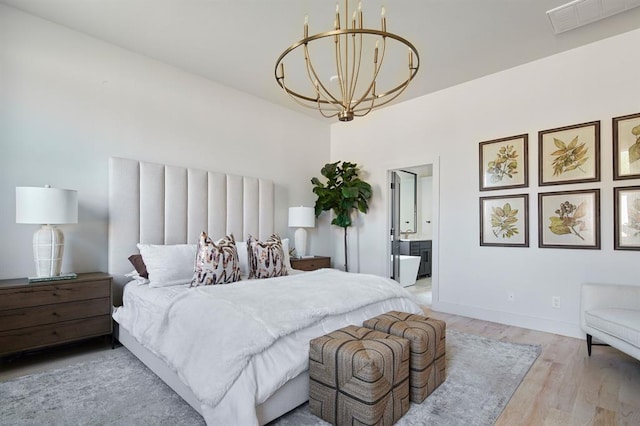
x=234 y=345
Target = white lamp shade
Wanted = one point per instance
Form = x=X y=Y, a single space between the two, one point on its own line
x=302 y=217
x=43 y=205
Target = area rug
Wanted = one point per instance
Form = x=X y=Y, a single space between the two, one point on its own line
x=117 y=389
x=482 y=375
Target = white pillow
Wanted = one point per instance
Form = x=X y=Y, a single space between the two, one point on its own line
x=168 y=264
x=243 y=257
x=134 y=275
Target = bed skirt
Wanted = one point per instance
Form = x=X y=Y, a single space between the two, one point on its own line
x=292 y=394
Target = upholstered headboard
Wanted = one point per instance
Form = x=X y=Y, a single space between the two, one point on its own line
x=160 y=204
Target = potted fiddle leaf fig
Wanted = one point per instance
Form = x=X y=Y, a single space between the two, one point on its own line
x=343 y=193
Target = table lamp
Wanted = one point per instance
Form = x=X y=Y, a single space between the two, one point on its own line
x=48 y=207
x=301 y=217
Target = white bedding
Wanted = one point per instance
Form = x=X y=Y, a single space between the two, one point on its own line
x=261 y=331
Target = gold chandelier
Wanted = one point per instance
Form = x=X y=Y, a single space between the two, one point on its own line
x=348 y=94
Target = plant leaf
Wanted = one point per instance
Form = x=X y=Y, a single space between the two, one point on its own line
x=558 y=226
x=573 y=143
x=559 y=143
x=581 y=211
x=634 y=151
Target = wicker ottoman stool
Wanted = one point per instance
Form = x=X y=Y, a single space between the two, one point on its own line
x=359 y=376
x=427 y=339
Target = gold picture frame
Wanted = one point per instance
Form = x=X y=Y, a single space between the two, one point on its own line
x=626 y=218
x=504 y=163
x=504 y=221
x=626 y=147
x=569 y=154
x=569 y=219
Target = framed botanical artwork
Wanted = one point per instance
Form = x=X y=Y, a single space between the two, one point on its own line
x=626 y=147
x=626 y=218
x=504 y=163
x=569 y=154
x=569 y=219
x=504 y=221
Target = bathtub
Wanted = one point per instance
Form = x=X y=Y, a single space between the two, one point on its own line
x=409 y=266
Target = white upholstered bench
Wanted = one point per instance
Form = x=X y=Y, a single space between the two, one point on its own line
x=611 y=314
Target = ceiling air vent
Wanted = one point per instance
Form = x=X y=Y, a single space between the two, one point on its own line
x=582 y=12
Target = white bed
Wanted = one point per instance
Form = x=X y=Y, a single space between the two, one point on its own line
x=152 y=203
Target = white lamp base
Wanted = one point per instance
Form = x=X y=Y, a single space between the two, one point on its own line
x=48 y=247
x=300 y=240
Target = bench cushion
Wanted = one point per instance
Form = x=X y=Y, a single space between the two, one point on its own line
x=621 y=323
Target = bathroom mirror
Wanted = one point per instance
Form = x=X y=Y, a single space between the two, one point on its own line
x=408 y=204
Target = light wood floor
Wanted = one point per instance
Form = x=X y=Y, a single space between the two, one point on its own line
x=564 y=386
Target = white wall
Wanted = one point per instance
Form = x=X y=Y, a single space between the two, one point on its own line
x=68 y=102
x=594 y=82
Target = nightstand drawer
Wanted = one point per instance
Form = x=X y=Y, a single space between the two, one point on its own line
x=311 y=263
x=27 y=317
x=41 y=336
x=37 y=295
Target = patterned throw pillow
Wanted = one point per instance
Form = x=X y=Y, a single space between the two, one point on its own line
x=266 y=258
x=216 y=262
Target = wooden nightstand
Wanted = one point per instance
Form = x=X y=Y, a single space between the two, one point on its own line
x=48 y=313
x=311 y=263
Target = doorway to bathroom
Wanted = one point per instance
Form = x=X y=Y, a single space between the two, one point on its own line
x=413 y=229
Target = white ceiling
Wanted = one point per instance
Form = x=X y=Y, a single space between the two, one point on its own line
x=236 y=42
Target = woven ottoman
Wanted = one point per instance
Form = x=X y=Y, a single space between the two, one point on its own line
x=427 y=339
x=359 y=376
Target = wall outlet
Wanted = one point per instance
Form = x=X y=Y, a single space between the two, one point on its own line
x=555 y=302
x=511 y=297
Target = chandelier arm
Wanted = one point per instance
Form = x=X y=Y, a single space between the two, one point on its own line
x=323 y=113
x=386 y=101
x=345 y=65
x=401 y=86
x=376 y=70
x=356 y=112
x=317 y=107
x=298 y=101
x=324 y=93
x=355 y=71
x=346 y=51
x=337 y=50
x=398 y=90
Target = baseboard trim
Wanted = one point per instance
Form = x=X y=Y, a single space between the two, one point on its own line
x=508 y=318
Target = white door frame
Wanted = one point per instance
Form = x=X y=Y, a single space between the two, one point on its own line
x=435 y=222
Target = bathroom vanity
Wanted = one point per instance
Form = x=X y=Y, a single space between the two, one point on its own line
x=420 y=248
